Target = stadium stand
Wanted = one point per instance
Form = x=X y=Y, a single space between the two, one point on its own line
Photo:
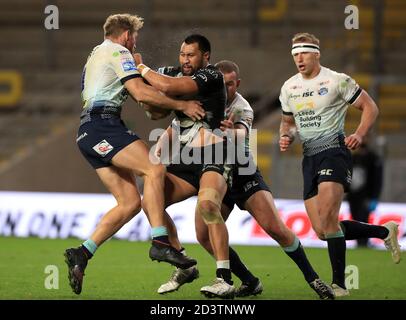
x=256 y=34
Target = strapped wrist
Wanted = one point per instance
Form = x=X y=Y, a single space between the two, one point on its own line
x=143 y=69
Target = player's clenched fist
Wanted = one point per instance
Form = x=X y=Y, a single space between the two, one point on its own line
x=284 y=142
x=353 y=141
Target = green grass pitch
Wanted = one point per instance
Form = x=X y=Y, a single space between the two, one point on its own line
x=122 y=270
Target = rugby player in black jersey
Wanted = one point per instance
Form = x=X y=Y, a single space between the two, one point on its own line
x=203 y=82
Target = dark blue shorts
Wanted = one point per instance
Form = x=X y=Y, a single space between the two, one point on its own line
x=244 y=186
x=330 y=165
x=191 y=172
x=101 y=139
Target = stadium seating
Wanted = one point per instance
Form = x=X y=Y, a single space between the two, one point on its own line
x=51 y=61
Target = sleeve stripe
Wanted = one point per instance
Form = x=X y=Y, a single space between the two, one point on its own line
x=131 y=76
x=287 y=113
x=355 y=96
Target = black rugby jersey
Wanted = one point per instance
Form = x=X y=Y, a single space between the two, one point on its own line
x=212 y=93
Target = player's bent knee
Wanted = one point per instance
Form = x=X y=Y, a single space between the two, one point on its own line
x=208 y=206
x=209 y=212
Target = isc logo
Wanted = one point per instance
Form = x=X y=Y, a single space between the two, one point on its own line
x=325 y=172
x=308 y=94
x=249 y=185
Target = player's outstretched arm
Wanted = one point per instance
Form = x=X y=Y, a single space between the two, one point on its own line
x=369 y=114
x=172 y=86
x=144 y=93
x=287 y=131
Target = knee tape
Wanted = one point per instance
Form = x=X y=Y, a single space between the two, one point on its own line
x=212 y=195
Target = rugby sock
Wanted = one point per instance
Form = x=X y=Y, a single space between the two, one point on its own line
x=160 y=234
x=297 y=254
x=89 y=247
x=239 y=269
x=336 y=250
x=358 y=230
x=223 y=270
x=223 y=264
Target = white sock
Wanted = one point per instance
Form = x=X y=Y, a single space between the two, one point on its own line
x=223 y=264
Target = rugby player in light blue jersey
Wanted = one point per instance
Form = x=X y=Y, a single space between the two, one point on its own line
x=314 y=104
x=115 y=152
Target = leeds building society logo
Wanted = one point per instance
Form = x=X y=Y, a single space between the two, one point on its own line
x=103 y=148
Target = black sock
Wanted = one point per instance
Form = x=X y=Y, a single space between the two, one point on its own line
x=87 y=253
x=336 y=251
x=362 y=242
x=299 y=257
x=238 y=268
x=225 y=274
x=358 y=230
x=162 y=239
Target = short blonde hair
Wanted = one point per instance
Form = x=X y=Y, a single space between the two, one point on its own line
x=226 y=66
x=116 y=24
x=305 y=37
